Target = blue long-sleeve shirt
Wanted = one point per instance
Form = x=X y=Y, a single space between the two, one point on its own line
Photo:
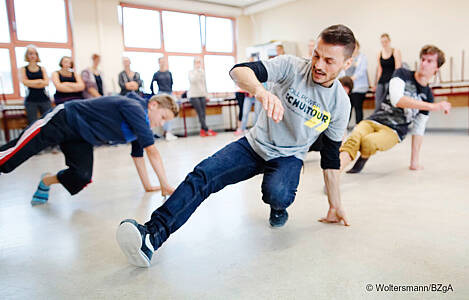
x=359 y=71
x=112 y=120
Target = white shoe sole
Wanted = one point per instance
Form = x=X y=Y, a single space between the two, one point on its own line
x=130 y=242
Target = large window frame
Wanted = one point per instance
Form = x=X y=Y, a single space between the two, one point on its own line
x=15 y=42
x=162 y=49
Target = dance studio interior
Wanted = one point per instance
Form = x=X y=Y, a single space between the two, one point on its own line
x=243 y=149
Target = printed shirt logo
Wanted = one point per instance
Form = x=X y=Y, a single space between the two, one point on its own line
x=320 y=119
x=308 y=108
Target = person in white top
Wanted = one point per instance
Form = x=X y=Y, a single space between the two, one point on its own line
x=198 y=94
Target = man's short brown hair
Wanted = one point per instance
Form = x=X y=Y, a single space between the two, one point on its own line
x=347 y=81
x=339 y=35
x=166 y=101
x=431 y=49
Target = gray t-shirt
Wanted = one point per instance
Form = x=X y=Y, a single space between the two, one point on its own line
x=310 y=109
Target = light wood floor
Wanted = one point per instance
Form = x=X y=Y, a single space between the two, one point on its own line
x=407 y=228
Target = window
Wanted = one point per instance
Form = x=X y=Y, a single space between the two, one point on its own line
x=6 y=82
x=180 y=67
x=219 y=35
x=181 y=32
x=141 y=28
x=217 y=68
x=50 y=58
x=50 y=35
x=43 y=21
x=146 y=64
x=4 y=30
x=181 y=37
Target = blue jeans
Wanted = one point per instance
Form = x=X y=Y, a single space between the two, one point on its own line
x=249 y=102
x=234 y=163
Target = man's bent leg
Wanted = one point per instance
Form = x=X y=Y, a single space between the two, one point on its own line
x=234 y=163
x=352 y=144
x=381 y=140
x=281 y=178
x=79 y=159
x=48 y=131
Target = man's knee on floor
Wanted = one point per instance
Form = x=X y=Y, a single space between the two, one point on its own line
x=277 y=195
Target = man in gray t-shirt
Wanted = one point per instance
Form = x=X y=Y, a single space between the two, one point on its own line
x=309 y=110
x=305 y=100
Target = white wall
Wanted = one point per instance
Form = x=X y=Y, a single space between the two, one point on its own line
x=411 y=24
x=96 y=29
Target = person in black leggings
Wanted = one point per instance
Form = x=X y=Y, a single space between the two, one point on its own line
x=389 y=59
x=35 y=80
x=240 y=99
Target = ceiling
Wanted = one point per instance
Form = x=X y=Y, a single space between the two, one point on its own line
x=233 y=3
x=220 y=7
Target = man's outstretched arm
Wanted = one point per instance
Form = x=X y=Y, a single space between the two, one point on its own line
x=336 y=213
x=330 y=163
x=397 y=98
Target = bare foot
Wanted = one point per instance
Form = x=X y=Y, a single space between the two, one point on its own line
x=167 y=191
x=153 y=189
x=416 y=167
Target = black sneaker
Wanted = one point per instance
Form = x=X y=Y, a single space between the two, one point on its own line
x=278 y=218
x=134 y=241
x=358 y=166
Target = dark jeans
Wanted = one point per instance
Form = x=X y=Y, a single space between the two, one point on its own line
x=380 y=94
x=356 y=100
x=234 y=163
x=52 y=130
x=199 y=105
x=32 y=108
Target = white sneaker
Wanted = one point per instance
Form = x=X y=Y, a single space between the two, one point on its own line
x=170 y=136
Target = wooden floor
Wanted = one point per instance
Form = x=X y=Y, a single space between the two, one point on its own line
x=407 y=228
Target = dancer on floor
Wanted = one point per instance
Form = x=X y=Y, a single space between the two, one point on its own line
x=306 y=99
x=408 y=102
x=77 y=126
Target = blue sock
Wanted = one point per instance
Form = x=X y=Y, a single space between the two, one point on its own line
x=41 y=195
